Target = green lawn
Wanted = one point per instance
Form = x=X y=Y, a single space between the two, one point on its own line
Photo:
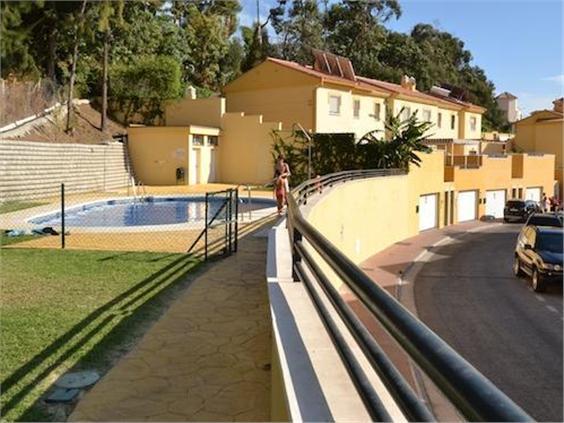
x=64 y=309
x=10 y=206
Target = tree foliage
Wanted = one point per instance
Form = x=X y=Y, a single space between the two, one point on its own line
x=144 y=85
x=338 y=152
x=37 y=40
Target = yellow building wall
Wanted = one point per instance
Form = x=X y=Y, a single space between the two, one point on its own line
x=524 y=139
x=245 y=152
x=277 y=93
x=537 y=172
x=345 y=122
x=465 y=125
x=445 y=130
x=366 y=216
x=156 y=152
x=199 y=111
x=543 y=137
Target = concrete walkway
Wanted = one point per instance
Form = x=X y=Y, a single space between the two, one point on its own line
x=207 y=359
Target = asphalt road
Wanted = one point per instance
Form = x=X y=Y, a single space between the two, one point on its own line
x=469 y=296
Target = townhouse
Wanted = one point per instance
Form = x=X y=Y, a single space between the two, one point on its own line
x=228 y=138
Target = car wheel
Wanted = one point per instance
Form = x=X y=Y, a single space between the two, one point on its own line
x=537 y=281
x=517 y=267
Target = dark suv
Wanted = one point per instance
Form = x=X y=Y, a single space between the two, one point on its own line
x=519 y=210
x=539 y=254
x=555 y=220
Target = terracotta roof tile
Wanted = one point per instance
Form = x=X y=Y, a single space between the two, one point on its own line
x=381 y=87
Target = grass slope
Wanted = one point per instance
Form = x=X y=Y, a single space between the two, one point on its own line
x=64 y=309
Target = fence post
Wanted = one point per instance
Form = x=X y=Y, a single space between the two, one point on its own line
x=206 y=229
x=236 y=220
x=229 y=219
x=63 y=215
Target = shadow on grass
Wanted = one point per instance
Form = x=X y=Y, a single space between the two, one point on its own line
x=123 y=319
x=128 y=312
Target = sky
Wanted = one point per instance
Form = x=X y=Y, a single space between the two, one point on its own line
x=518 y=43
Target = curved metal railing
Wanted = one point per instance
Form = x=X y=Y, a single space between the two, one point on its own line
x=469 y=391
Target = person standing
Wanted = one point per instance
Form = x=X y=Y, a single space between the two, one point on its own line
x=545 y=204
x=283 y=169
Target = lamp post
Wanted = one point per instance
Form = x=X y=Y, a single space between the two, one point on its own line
x=309 y=140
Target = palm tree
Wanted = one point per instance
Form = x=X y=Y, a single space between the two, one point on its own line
x=405 y=139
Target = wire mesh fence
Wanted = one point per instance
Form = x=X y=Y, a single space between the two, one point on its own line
x=138 y=218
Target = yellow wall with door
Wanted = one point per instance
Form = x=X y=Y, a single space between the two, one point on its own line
x=245 y=152
x=366 y=216
x=156 y=152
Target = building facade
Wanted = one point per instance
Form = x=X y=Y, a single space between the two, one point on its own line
x=507 y=102
x=543 y=133
x=473 y=179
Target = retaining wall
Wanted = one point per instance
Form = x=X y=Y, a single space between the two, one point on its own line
x=33 y=170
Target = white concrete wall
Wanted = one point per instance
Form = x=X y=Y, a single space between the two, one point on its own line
x=33 y=170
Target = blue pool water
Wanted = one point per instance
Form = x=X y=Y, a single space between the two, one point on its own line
x=151 y=211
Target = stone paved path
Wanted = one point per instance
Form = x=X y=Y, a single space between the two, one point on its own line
x=207 y=359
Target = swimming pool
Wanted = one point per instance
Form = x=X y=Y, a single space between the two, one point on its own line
x=152 y=211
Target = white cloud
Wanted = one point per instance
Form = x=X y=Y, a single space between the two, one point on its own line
x=556 y=78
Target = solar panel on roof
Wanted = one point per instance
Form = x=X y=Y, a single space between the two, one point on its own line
x=332 y=64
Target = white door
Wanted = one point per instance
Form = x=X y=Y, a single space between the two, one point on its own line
x=427 y=211
x=197 y=165
x=212 y=166
x=466 y=206
x=533 y=194
x=495 y=202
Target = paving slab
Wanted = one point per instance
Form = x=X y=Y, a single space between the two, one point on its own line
x=208 y=357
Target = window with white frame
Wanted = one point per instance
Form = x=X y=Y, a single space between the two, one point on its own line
x=197 y=139
x=452 y=121
x=473 y=123
x=377 y=111
x=439 y=120
x=426 y=115
x=405 y=113
x=213 y=140
x=356 y=108
x=335 y=105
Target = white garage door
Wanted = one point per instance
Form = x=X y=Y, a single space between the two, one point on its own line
x=427 y=211
x=495 y=202
x=533 y=194
x=466 y=206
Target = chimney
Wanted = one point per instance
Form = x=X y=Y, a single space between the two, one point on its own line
x=408 y=82
x=190 y=92
x=558 y=105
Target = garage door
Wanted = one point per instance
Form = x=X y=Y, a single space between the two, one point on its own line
x=533 y=194
x=495 y=202
x=427 y=211
x=466 y=206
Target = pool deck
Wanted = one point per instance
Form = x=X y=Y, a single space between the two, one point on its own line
x=207 y=359
x=123 y=240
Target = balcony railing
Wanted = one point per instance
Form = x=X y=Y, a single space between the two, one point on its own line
x=468 y=390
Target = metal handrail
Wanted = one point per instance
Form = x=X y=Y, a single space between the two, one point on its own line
x=470 y=392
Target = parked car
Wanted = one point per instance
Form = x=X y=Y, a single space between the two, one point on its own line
x=538 y=254
x=555 y=220
x=519 y=210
